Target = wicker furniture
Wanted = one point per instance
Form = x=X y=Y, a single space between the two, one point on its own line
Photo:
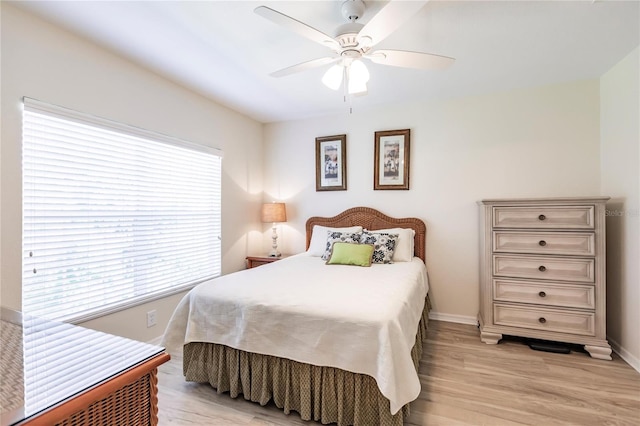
x=325 y=394
x=372 y=219
x=61 y=374
x=543 y=271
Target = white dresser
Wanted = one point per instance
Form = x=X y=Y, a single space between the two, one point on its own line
x=542 y=271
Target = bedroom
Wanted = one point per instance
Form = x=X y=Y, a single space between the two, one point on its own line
x=463 y=148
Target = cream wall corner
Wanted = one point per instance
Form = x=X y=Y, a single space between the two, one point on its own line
x=44 y=62
x=620 y=179
x=537 y=142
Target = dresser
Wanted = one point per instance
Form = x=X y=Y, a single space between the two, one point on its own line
x=61 y=374
x=543 y=272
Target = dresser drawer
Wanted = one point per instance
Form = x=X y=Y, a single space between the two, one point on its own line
x=568 y=243
x=544 y=268
x=542 y=293
x=544 y=217
x=557 y=320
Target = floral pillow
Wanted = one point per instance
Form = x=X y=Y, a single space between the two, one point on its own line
x=343 y=237
x=318 y=243
x=405 y=245
x=384 y=244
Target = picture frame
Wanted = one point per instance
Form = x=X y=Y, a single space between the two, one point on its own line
x=331 y=163
x=392 y=159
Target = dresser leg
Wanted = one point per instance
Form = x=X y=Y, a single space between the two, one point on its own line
x=599 y=352
x=490 y=338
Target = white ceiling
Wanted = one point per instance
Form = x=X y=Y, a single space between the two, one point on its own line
x=224 y=51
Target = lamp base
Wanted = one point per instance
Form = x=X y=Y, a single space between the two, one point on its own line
x=274 y=245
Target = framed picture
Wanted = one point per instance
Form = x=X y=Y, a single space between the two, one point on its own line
x=331 y=163
x=391 y=159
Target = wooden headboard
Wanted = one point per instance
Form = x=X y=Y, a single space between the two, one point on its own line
x=372 y=219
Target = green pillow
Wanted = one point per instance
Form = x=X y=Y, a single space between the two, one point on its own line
x=351 y=254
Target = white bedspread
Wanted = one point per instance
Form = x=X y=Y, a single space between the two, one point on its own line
x=362 y=320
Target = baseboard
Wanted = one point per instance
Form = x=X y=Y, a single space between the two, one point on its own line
x=463 y=319
x=460 y=319
x=625 y=355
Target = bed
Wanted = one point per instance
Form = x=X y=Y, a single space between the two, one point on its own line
x=339 y=344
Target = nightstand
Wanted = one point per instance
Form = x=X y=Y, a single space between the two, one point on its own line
x=253 y=261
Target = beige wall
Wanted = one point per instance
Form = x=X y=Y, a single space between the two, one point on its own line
x=539 y=142
x=548 y=141
x=620 y=163
x=44 y=62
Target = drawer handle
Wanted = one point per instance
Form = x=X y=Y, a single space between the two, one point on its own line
x=542 y=243
x=542 y=268
x=542 y=320
x=542 y=294
x=542 y=217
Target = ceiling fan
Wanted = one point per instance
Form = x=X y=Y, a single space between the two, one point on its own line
x=354 y=41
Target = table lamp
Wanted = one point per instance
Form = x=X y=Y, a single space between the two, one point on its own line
x=274 y=213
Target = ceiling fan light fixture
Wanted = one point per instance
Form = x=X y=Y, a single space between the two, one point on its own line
x=357 y=87
x=333 y=77
x=353 y=41
x=358 y=71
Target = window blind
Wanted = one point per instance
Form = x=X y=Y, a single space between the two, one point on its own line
x=113 y=215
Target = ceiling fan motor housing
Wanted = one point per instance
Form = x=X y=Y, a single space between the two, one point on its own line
x=347 y=34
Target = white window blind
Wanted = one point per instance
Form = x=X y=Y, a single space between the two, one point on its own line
x=113 y=215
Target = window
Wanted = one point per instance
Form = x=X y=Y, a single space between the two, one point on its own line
x=113 y=215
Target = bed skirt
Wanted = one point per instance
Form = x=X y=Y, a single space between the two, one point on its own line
x=324 y=394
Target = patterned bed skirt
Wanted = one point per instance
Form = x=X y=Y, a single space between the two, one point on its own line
x=324 y=394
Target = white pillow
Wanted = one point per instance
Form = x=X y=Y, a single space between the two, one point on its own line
x=404 y=246
x=318 y=243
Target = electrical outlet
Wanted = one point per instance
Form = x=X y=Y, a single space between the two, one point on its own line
x=151 y=318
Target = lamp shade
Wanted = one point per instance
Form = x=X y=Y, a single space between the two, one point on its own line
x=357 y=87
x=358 y=76
x=333 y=77
x=274 y=212
x=359 y=72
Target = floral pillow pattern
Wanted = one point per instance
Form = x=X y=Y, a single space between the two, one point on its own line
x=384 y=244
x=343 y=237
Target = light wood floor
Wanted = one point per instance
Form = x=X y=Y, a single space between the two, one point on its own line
x=464 y=382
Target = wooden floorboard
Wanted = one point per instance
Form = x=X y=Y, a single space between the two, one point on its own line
x=464 y=382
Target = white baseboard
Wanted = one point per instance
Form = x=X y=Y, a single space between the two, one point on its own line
x=625 y=355
x=460 y=319
x=463 y=319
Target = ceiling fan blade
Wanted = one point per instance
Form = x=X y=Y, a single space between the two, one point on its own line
x=297 y=26
x=305 y=66
x=403 y=58
x=389 y=19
